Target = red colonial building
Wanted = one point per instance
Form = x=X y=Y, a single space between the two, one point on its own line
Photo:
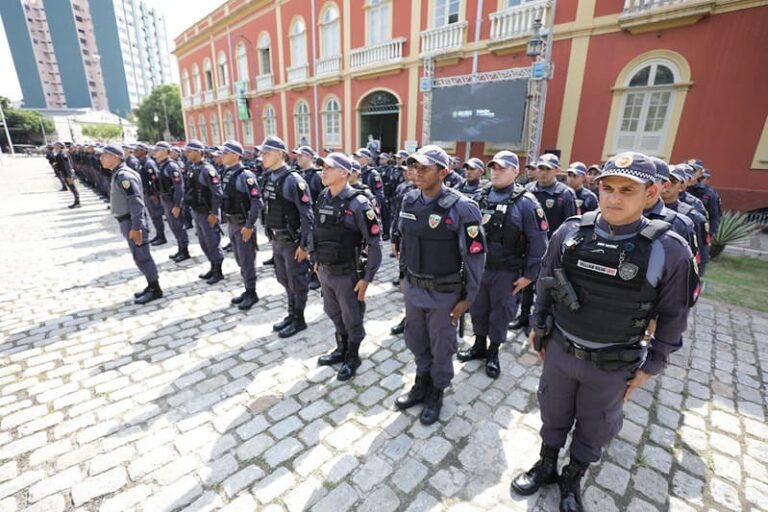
x=674 y=78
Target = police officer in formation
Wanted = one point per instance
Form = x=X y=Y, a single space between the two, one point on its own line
x=442 y=252
x=369 y=176
x=170 y=187
x=147 y=168
x=516 y=238
x=614 y=292
x=706 y=194
x=346 y=231
x=559 y=203
x=288 y=222
x=395 y=236
x=454 y=179
x=586 y=200
x=130 y=159
x=204 y=196
x=305 y=158
x=671 y=198
x=241 y=205
x=62 y=165
x=593 y=171
x=127 y=206
x=474 y=170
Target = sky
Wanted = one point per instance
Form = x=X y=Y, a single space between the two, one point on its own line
x=179 y=15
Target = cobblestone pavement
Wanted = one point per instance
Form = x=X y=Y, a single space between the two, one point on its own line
x=187 y=402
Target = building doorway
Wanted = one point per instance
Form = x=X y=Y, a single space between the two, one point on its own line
x=380 y=116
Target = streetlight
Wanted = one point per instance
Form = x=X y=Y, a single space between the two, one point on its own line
x=533 y=49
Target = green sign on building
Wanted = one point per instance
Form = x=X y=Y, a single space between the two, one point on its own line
x=243 y=114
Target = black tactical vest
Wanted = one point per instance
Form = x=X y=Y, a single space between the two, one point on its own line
x=432 y=250
x=234 y=202
x=505 y=242
x=617 y=302
x=164 y=181
x=336 y=244
x=197 y=195
x=280 y=213
x=554 y=209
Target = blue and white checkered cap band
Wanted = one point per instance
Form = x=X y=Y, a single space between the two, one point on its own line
x=194 y=145
x=337 y=160
x=505 y=159
x=163 y=145
x=114 y=151
x=272 y=144
x=363 y=152
x=232 y=146
x=631 y=165
x=304 y=150
x=142 y=146
x=430 y=155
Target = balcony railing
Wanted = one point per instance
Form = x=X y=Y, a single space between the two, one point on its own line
x=197 y=99
x=637 y=6
x=443 y=39
x=328 y=66
x=646 y=15
x=517 y=21
x=223 y=92
x=186 y=101
x=384 y=53
x=263 y=82
x=298 y=73
x=208 y=96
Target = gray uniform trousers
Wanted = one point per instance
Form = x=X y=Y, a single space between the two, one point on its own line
x=156 y=214
x=245 y=253
x=572 y=390
x=433 y=340
x=141 y=255
x=177 y=225
x=210 y=238
x=494 y=306
x=341 y=305
x=294 y=276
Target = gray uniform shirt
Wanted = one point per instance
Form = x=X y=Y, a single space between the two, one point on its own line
x=127 y=196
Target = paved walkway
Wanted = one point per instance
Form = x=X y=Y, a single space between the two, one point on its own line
x=187 y=402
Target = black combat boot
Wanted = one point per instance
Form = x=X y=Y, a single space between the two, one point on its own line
x=227 y=248
x=521 y=322
x=153 y=292
x=216 y=275
x=544 y=472
x=492 y=366
x=158 y=240
x=399 y=328
x=570 y=485
x=182 y=255
x=76 y=204
x=142 y=292
x=433 y=402
x=239 y=298
x=417 y=393
x=478 y=350
x=337 y=356
x=249 y=299
x=269 y=262
x=351 y=362
x=208 y=274
x=297 y=325
x=282 y=324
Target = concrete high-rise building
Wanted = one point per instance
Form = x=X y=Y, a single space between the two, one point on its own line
x=100 y=54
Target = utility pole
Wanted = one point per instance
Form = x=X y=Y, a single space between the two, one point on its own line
x=7 y=133
x=42 y=128
x=540 y=48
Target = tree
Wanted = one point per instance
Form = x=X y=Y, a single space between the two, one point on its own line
x=25 y=125
x=163 y=101
x=103 y=131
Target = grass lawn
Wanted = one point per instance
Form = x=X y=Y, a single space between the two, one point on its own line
x=738 y=280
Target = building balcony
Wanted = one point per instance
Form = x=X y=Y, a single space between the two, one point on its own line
x=223 y=92
x=298 y=73
x=328 y=66
x=197 y=100
x=512 y=27
x=186 y=101
x=383 y=54
x=442 y=40
x=264 y=83
x=208 y=96
x=649 y=15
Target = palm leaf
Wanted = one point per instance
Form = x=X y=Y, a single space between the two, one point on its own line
x=734 y=227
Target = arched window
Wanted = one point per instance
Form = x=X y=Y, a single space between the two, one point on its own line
x=270 y=121
x=303 y=135
x=191 y=129
x=242 y=63
x=645 y=108
x=208 y=70
x=331 y=123
x=248 y=131
x=196 y=79
x=186 y=90
x=446 y=12
x=229 y=126
x=330 y=37
x=298 y=43
x=203 y=131
x=215 y=135
x=265 y=59
x=379 y=21
x=222 y=63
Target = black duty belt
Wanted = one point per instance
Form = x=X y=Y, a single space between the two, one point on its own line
x=283 y=235
x=612 y=358
x=121 y=218
x=237 y=219
x=444 y=284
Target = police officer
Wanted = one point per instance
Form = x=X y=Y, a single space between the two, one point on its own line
x=288 y=221
x=204 y=196
x=369 y=176
x=390 y=177
x=346 y=225
x=474 y=170
x=170 y=185
x=686 y=196
x=127 y=205
x=457 y=167
x=395 y=236
x=442 y=254
x=614 y=291
x=671 y=198
x=454 y=179
x=586 y=201
x=241 y=204
x=305 y=157
x=63 y=166
x=708 y=195
x=516 y=238
x=593 y=171
x=149 y=173
x=130 y=160
x=559 y=203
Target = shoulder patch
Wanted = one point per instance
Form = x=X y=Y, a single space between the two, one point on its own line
x=211 y=173
x=126 y=184
x=474 y=239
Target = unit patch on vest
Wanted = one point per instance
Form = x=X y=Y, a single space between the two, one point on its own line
x=543 y=224
x=549 y=203
x=372 y=222
x=434 y=220
x=596 y=268
x=473 y=231
x=628 y=271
